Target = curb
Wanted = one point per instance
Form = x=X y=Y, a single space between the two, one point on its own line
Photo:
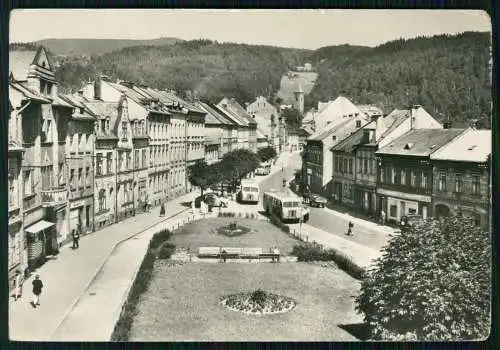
x=72 y=306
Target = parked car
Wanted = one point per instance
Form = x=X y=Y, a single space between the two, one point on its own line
x=317 y=201
x=409 y=220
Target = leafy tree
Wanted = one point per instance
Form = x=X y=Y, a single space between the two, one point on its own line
x=432 y=283
x=239 y=163
x=266 y=153
x=201 y=175
x=293 y=118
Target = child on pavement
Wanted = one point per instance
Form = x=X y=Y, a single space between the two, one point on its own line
x=18 y=285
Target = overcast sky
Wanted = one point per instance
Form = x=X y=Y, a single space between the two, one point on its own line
x=308 y=29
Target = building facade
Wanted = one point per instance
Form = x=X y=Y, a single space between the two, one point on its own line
x=461 y=178
x=405 y=172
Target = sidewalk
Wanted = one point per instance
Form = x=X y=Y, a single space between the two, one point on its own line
x=362 y=222
x=67 y=276
x=361 y=255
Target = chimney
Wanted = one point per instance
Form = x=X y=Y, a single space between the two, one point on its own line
x=97 y=88
x=80 y=92
x=374 y=117
x=447 y=124
x=413 y=110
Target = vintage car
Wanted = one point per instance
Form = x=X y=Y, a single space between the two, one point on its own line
x=317 y=201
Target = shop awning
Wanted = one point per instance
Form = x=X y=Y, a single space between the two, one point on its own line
x=39 y=226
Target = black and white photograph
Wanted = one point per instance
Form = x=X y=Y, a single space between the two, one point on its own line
x=249 y=175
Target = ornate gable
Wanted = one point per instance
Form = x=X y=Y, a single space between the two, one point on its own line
x=123 y=128
x=42 y=60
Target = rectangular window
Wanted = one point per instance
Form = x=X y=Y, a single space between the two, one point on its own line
x=109 y=162
x=350 y=166
x=72 y=179
x=80 y=177
x=345 y=165
x=99 y=169
x=458 y=183
x=144 y=159
x=424 y=180
x=28 y=187
x=382 y=175
x=46 y=177
x=137 y=159
x=120 y=160
x=393 y=211
x=62 y=180
x=476 y=180
x=12 y=191
x=365 y=166
x=413 y=179
x=393 y=175
x=442 y=182
x=88 y=178
x=403 y=177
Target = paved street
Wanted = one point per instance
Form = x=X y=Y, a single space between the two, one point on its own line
x=66 y=278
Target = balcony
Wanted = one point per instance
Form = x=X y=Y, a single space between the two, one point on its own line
x=54 y=197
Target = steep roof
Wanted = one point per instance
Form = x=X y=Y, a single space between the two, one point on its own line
x=472 y=146
x=420 y=142
x=392 y=121
x=212 y=115
x=141 y=97
x=77 y=114
x=28 y=93
x=20 y=62
x=320 y=136
x=348 y=144
x=236 y=109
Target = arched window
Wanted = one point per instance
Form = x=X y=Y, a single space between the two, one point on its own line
x=102 y=200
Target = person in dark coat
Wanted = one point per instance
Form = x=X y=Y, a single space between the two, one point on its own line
x=76 y=237
x=224 y=255
x=349 y=230
x=37 y=290
x=162 y=210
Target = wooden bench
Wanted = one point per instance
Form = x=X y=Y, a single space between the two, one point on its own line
x=231 y=253
x=251 y=253
x=209 y=252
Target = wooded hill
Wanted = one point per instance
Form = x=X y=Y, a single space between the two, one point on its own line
x=211 y=69
x=448 y=75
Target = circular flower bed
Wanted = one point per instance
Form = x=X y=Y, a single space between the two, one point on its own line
x=233 y=230
x=258 y=303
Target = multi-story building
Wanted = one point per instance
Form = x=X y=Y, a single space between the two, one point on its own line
x=17 y=255
x=461 y=177
x=405 y=172
x=247 y=133
x=219 y=126
x=33 y=94
x=334 y=112
x=75 y=126
x=266 y=117
x=262 y=140
x=105 y=166
x=358 y=188
x=317 y=162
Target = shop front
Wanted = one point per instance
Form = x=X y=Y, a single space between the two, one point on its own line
x=396 y=204
x=41 y=240
x=81 y=215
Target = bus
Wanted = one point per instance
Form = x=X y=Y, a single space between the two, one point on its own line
x=285 y=205
x=249 y=192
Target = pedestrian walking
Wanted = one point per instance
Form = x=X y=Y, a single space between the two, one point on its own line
x=162 y=210
x=382 y=217
x=18 y=285
x=276 y=253
x=224 y=255
x=37 y=290
x=349 y=229
x=76 y=237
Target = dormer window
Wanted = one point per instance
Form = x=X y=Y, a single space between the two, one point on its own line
x=124 y=129
x=334 y=138
x=409 y=145
x=471 y=147
x=358 y=123
x=81 y=110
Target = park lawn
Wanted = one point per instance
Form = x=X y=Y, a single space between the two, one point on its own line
x=203 y=233
x=181 y=303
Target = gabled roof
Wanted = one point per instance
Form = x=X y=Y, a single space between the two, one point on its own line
x=140 y=97
x=77 y=114
x=28 y=93
x=392 y=121
x=235 y=109
x=213 y=116
x=472 y=146
x=349 y=144
x=320 y=136
x=420 y=142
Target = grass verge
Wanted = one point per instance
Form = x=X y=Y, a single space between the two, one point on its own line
x=311 y=251
x=158 y=248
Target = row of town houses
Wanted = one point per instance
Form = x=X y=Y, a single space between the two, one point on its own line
x=402 y=163
x=83 y=161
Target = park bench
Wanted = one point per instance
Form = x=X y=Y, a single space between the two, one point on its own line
x=251 y=253
x=269 y=255
x=232 y=253
x=209 y=252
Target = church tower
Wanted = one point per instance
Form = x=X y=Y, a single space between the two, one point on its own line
x=299 y=99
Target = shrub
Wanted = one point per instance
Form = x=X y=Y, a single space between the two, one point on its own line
x=247 y=215
x=233 y=225
x=166 y=250
x=258 y=296
x=432 y=283
x=221 y=214
x=159 y=238
x=285 y=228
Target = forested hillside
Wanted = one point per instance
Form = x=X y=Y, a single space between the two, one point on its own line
x=448 y=75
x=210 y=68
